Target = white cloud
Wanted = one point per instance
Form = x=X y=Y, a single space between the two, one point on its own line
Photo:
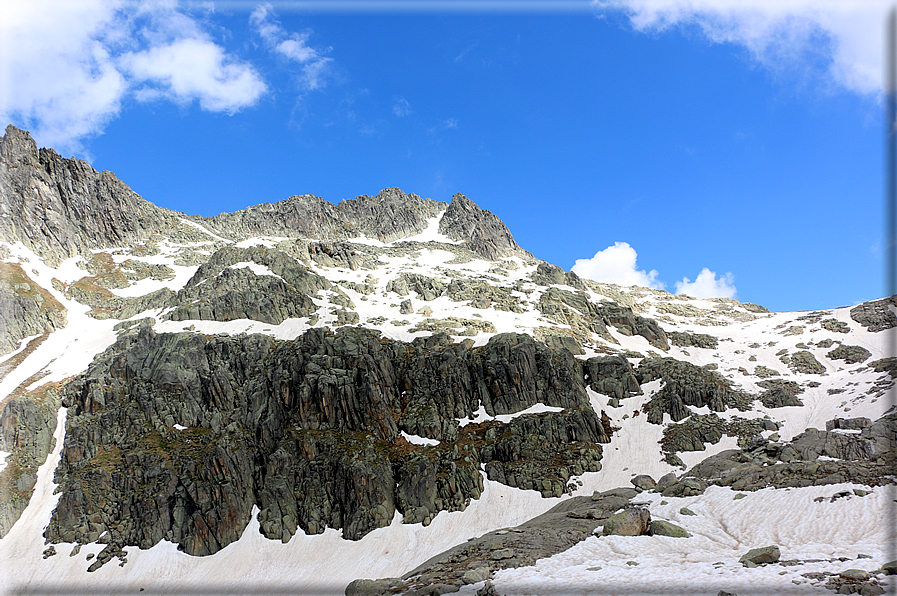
x=707 y=285
x=194 y=69
x=291 y=46
x=782 y=35
x=616 y=265
x=401 y=107
x=67 y=67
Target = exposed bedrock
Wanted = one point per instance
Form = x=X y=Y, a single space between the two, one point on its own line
x=226 y=288
x=685 y=384
x=178 y=436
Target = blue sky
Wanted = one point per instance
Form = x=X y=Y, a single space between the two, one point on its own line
x=707 y=146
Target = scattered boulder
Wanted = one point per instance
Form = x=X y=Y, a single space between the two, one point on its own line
x=632 y=521
x=760 y=556
x=643 y=482
x=660 y=527
x=804 y=362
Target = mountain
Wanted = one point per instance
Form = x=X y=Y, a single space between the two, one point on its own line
x=389 y=396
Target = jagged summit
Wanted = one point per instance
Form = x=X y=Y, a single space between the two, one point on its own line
x=63 y=207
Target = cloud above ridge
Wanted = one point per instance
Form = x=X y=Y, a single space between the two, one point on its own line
x=617 y=265
x=707 y=285
x=66 y=68
x=846 y=36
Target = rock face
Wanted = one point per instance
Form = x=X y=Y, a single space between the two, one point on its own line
x=63 y=207
x=26 y=309
x=227 y=288
x=27 y=424
x=388 y=216
x=485 y=234
x=876 y=316
x=309 y=431
x=686 y=385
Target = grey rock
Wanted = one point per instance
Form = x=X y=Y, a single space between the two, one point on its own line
x=406 y=308
x=760 y=556
x=26 y=308
x=693 y=340
x=612 y=376
x=686 y=385
x=633 y=521
x=220 y=292
x=850 y=354
x=27 y=424
x=666 y=480
x=687 y=487
x=60 y=208
x=804 y=362
x=643 y=482
x=371 y=587
x=483 y=232
x=321 y=414
x=877 y=315
x=659 y=527
x=835 y=326
x=475 y=575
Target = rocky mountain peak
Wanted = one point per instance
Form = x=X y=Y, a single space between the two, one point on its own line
x=487 y=234
x=17 y=148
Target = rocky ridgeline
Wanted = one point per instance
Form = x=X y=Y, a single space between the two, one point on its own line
x=63 y=207
x=60 y=207
x=309 y=430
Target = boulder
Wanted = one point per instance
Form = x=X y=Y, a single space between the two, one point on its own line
x=629 y=522
x=760 y=556
x=660 y=527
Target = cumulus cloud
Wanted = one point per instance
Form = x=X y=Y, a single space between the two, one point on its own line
x=291 y=46
x=67 y=67
x=194 y=69
x=846 y=36
x=707 y=285
x=617 y=265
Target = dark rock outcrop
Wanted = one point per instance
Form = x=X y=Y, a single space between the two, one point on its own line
x=220 y=290
x=850 y=354
x=693 y=340
x=612 y=376
x=685 y=384
x=877 y=315
x=27 y=424
x=309 y=431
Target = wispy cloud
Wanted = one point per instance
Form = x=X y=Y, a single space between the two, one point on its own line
x=707 y=285
x=450 y=123
x=401 y=107
x=842 y=38
x=291 y=46
x=66 y=68
x=617 y=265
